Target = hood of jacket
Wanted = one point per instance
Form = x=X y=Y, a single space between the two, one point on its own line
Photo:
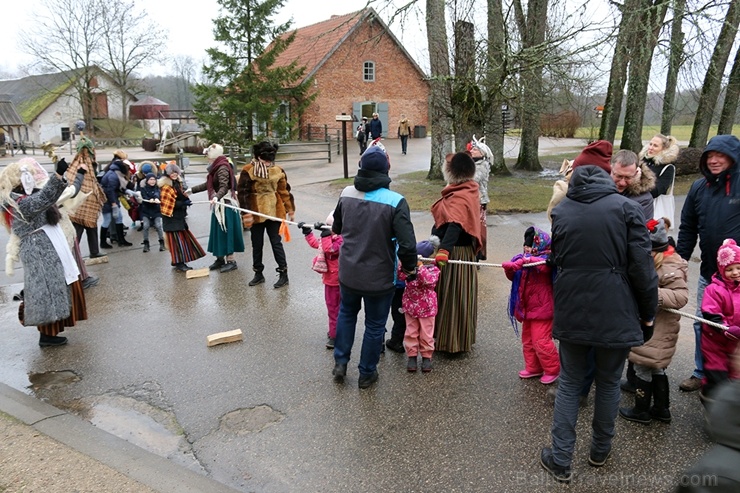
x=590 y=183
x=667 y=156
x=724 y=415
x=368 y=180
x=726 y=144
x=643 y=185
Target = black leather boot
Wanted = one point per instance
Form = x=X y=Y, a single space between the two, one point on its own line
x=161 y=246
x=641 y=412
x=257 y=279
x=661 y=400
x=121 y=239
x=104 y=238
x=146 y=246
x=282 y=279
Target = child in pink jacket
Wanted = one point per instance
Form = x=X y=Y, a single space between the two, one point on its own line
x=330 y=244
x=531 y=303
x=719 y=305
x=419 y=304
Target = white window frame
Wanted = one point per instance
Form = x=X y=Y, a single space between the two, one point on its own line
x=368 y=71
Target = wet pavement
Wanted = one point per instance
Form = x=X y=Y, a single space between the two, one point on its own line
x=264 y=414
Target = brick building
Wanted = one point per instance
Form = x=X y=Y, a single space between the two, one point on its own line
x=357 y=66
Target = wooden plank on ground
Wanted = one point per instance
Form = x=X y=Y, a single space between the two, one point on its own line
x=224 y=337
x=97 y=260
x=192 y=274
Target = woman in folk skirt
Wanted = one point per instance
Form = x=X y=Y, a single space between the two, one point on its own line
x=457 y=224
x=183 y=246
x=53 y=297
x=227 y=234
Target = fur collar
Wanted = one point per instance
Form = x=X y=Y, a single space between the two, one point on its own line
x=644 y=184
x=666 y=156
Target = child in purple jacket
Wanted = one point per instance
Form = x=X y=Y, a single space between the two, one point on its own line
x=419 y=304
x=531 y=303
x=330 y=244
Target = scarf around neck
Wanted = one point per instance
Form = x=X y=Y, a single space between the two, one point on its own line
x=460 y=203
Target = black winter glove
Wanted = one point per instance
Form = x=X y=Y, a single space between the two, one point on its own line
x=410 y=276
x=550 y=262
x=318 y=225
x=325 y=233
x=647 y=331
x=306 y=230
x=61 y=167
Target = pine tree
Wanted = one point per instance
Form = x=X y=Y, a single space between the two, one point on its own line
x=241 y=101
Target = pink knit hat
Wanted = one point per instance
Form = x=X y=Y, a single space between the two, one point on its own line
x=728 y=254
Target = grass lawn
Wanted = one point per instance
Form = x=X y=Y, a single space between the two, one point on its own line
x=680 y=132
x=518 y=193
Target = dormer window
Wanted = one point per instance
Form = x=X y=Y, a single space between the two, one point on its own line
x=368 y=72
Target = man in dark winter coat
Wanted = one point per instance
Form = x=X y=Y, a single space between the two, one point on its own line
x=606 y=291
x=374 y=222
x=711 y=214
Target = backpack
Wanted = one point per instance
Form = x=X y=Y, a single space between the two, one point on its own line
x=360 y=134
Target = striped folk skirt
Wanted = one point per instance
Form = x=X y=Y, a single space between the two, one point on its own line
x=183 y=246
x=78 y=311
x=457 y=299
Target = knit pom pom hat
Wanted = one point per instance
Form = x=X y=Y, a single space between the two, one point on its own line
x=658 y=235
x=728 y=254
x=597 y=153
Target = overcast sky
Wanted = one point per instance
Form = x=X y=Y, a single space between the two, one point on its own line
x=191 y=31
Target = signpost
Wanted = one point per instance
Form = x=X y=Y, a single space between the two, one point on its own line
x=344 y=118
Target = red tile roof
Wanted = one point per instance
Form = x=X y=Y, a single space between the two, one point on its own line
x=315 y=43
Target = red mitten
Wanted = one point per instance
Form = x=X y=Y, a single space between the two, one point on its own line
x=733 y=332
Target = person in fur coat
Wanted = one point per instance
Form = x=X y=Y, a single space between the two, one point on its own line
x=53 y=297
x=329 y=244
x=226 y=236
x=659 y=155
x=263 y=187
x=652 y=358
x=634 y=180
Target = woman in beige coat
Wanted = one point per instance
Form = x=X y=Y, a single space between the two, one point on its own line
x=652 y=358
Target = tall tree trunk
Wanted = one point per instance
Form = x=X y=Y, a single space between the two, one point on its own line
x=649 y=24
x=618 y=72
x=675 y=60
x=495 y=77
x=729 y=108
x=440 y=111
x=465 y=104
x=533 y=54
x=713 y=80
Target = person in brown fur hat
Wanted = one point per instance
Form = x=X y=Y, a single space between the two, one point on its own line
x=457 y=224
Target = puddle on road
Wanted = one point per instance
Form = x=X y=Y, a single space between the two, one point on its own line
x=141 y=424
x=52 y=379
x=250 y=420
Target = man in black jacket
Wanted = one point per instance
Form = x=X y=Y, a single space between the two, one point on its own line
x=711 y=214
x=606 y=291
x=375 y=224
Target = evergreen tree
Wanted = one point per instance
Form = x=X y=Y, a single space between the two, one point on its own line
x=240 y=103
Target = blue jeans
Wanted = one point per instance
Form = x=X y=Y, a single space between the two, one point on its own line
x=698 y=360
x=574 y=365
x=108 y=217
x=376 y=315
x=404 y=142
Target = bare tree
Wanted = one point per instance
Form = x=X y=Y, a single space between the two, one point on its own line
x=130 y=39
x=675 y=59
x=648 y=24
x=732 y=94
x=495 y=76
x=185 y=69
x=532 y=28
x=713 y=81
x=70 y=44
x=440 y=105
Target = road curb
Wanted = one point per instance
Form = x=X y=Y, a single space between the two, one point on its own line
x=147 y=468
